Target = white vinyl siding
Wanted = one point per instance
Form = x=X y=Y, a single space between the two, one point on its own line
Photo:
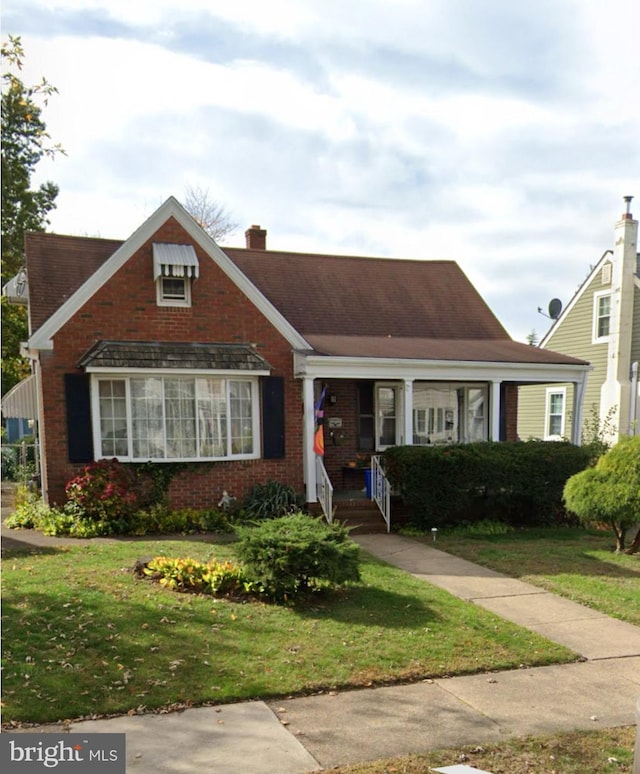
x=573 y=335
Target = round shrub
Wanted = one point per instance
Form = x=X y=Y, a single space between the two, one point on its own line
x=297 y=553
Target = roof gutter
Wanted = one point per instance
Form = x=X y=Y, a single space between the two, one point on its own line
x=319 y=366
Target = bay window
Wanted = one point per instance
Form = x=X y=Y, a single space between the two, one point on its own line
x=157 y=417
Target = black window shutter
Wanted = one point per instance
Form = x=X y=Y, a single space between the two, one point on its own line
x=273 y=417
x=503 y=412
x=78 y=401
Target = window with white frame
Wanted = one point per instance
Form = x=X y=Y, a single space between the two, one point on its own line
x=554 y=414
x=175 y=267
x=601 y=316
x=449 y=413
x=176 y=417
x=173 y=291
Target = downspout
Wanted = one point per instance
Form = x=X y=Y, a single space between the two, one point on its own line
x=633 y=406
x=579 y=388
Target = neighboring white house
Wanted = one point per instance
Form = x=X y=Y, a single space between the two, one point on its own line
x=601 y=324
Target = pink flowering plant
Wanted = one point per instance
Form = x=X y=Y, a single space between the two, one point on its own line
x=105 y=491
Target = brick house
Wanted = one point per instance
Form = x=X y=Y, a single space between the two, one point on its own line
x=168 y=348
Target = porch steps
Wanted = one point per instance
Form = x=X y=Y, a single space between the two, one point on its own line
x=361 y=515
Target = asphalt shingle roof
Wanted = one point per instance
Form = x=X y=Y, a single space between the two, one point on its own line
x=162 y=354
x=342 y=305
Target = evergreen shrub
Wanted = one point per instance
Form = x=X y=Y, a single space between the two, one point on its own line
x=520 y=483
x=297 y=553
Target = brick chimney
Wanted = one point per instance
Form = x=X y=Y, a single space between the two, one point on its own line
x=256 y=238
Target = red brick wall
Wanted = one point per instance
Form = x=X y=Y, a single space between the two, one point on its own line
x=511 y=402
x=341 y=447
x=125 y=309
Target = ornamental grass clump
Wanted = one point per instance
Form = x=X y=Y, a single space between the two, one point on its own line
x=296 y=554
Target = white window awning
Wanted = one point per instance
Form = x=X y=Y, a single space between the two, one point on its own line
x=171 y=260
x=21 y=401
x=16 y=291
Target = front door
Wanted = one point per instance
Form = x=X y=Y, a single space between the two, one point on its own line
x=388 y=416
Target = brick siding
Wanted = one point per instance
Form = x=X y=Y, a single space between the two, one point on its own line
x=125 y=309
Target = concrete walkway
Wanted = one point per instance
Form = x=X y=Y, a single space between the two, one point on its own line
x=591 y=634
x=293 y=736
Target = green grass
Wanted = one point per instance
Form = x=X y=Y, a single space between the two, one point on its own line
x=578 y=564
x=581 y=752
x=82 y=636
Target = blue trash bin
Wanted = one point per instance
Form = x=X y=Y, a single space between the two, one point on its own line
x=367 y=482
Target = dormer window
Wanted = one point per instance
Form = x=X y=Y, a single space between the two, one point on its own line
x=174 y=269
x=174 y=291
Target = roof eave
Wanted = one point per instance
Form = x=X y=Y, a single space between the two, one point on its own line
x=323 y=366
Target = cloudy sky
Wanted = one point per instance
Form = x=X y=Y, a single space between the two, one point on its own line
x=500 y=134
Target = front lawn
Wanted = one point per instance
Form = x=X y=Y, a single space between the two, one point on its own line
x=575 y=563
x=82 y=636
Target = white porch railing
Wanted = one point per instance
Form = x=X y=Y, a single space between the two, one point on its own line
x=381 y=490
x=324 y=490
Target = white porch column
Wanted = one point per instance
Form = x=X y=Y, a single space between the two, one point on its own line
x=407 y=432
x=494 y=402
x=307 y=439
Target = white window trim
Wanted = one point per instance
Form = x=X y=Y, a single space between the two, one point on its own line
x=547 y=413
x=184 y=302
x=596 y=303
x=462 y=426
x=120 y=376
x=397 y=388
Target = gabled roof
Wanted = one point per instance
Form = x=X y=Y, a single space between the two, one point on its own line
x=341 y=306
x=41 y=337
x=584 y=285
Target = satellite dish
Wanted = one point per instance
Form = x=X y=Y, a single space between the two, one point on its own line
x=555 y=307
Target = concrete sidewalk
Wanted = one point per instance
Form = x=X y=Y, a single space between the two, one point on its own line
x=591 y=634
x=299 y=735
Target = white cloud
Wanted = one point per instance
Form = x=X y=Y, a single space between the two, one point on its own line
x=501 y=135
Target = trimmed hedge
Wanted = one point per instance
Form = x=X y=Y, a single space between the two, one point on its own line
x=296 y=554
x=518 y=482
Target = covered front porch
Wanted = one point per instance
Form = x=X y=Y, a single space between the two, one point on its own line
x=370 y=405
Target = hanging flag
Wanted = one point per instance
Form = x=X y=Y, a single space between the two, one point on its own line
x=318 y=436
